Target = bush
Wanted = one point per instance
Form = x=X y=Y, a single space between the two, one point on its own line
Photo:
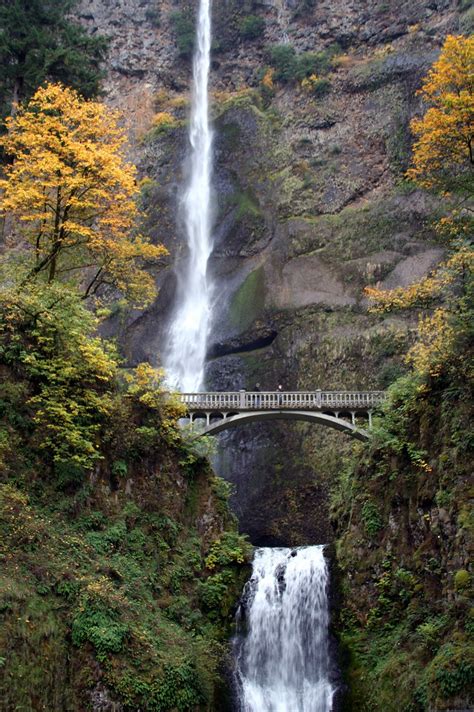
x=283 y=60
x=185 y=33
x=316 y=62
x=371 y=518
x=292 y=67
x=98 y=619
x=316 y=86
x=251 y=27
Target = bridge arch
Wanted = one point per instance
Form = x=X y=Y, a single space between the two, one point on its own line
x=308 y=416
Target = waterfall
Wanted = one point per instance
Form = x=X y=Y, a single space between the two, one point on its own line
x=283 y=658
x=186 y=354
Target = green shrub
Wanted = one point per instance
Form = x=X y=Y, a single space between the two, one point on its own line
x=97 y=619
x=230 y=548
x=317 y=63
x=179 y=689
x=119 y=468
x=371 y=518
x=430 y=631
x=317 y=86
x=251 y=27
x=450 y=674
x=291 y=67
x=213 y=590
x=184 y=30
x=283 y=60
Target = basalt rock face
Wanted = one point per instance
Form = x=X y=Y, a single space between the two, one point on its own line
x=311 y=206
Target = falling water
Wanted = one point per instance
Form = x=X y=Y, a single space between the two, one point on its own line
x=283 y=660
x=188 y=334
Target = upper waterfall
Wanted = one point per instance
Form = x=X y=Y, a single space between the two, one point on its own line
x=185 y=357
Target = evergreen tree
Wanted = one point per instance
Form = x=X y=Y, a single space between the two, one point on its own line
x=38 y=42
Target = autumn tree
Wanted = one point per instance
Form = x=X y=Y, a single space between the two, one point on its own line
x=443 y=156
x=38 y=42
x=443 y=161
x=72 y=194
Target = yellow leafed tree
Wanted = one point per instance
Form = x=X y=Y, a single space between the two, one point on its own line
x=444 y=150
x=443 y=161
x=71 y=195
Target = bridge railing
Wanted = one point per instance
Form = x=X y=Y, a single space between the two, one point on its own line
x=270 y=400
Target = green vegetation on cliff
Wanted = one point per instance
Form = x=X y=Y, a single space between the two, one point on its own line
x=120 y=563
x=403 y=508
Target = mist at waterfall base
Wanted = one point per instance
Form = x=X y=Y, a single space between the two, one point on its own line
x=282 y=650
x=186 y=353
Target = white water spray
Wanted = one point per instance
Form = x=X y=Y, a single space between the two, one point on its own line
x=283 y=661
x=186 y=355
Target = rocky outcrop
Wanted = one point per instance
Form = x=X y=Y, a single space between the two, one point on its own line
x=311 y=206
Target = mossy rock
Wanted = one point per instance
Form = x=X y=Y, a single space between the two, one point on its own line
x=248 y=302
x=462 y=580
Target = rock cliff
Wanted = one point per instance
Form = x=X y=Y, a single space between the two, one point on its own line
x=311 y=206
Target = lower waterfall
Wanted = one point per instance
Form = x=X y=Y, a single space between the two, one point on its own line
x=282 y=650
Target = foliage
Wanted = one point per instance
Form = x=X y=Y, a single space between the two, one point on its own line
x=283 y=60
x=290 y=66
x=106 y=605
x=184 y=29
x=73 y=195
x=230 y=548
x=444 y=150
x=443 y=161
x=164 y=122
x=318 y=86
x=115 y=582
x=40 y=42
x=406 y=619
x=67 y=374
x=371 y=517
x=96 y=619
x=63 y=393
x=251 y=27
x=462 y=580
x=318 y=63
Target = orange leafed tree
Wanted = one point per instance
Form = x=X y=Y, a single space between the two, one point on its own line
x=72 y=195
x=444 y=149
x=443 y=161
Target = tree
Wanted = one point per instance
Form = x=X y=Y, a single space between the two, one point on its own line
x=72 y=195
x=443 y=156
x=443 y=161
x=38 y=42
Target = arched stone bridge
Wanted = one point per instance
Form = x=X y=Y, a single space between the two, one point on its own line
x=342 y=410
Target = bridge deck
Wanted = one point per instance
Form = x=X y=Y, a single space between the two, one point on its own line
x=285 y=400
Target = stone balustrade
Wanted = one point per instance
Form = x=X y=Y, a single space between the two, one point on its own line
x=287 y=400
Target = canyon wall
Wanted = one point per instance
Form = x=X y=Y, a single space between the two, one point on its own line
x=311 y=206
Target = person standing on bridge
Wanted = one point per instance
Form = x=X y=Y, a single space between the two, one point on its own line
x=280 y=391
x=257 y=397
